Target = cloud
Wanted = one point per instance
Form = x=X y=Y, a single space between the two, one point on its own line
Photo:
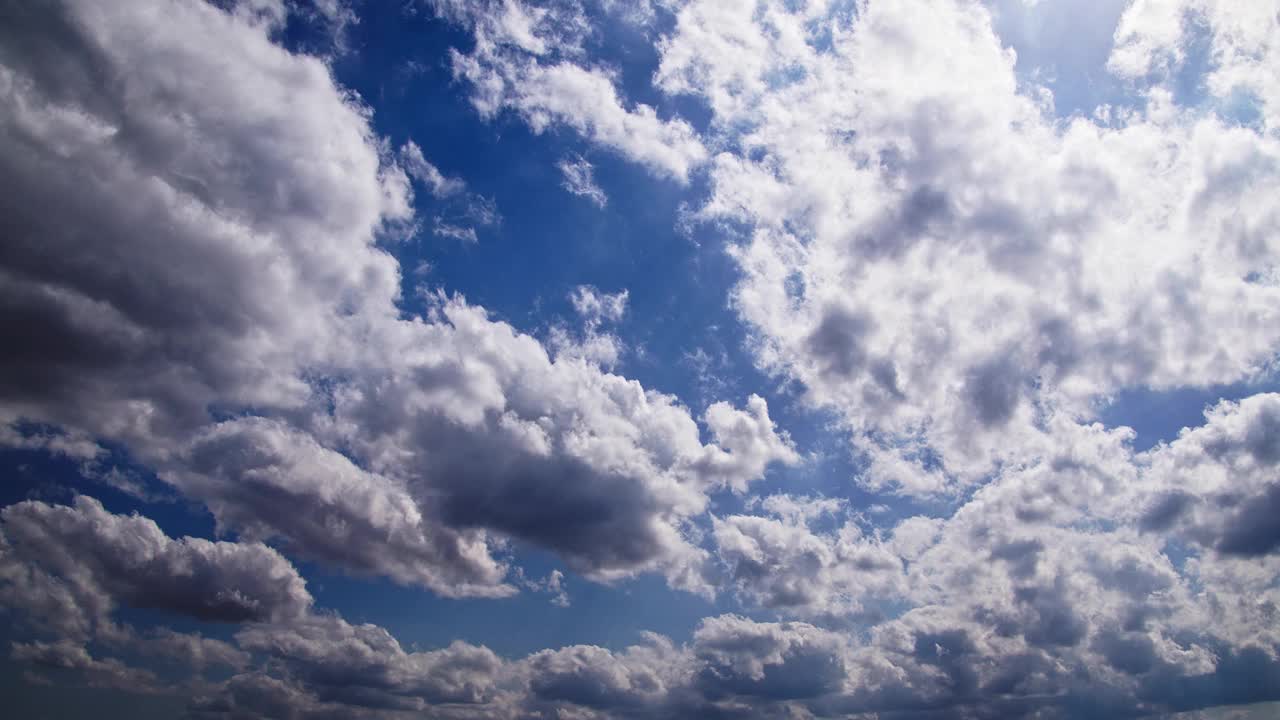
x=778 y=661
x=1005 y=611
x=363 y=665
x=208 y=231
x=66 y=655
x=594 y=677
x=69 y=567
x=959 y=278
x=931 y=256
x=579 y=179
x=245 y=470
x=424 y=172
x=217 y=256
x=480 y=419
x=781 y=563
x=525 y=60
x=1216 y=483
x=1156 y=40
x=596 y=307
x=458 y=212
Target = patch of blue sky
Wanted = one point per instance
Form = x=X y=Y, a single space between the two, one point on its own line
x=1159 y=415
x=609 y=615
x=1064 y=46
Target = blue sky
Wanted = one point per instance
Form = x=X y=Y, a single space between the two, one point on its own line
x=457 y=358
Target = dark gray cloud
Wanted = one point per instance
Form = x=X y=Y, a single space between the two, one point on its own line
x=66 y=655
x=837 y=342
x=70 y=566
x=993 y=389
x=363 y=665
x=245 y=470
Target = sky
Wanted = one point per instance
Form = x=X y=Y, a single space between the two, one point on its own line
x=591 y=359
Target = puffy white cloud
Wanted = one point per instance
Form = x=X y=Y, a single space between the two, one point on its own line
x=946 y=266
x=478 y=419
x=585 y=675
x=1069 y=586
x=216 y=254
x=959 y=276
x=783 y=564
x=526 y=59
x=1156 y=39
x=771 y=661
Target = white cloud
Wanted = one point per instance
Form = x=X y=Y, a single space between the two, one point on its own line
x=579 y=179
x=174 y=277
x=1156 y=38
x=945 y=266
x=429 y=175
x=597 y=307
x=257 y=287
x=525 y=60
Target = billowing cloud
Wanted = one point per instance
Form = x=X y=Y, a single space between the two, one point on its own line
x=364 y=664
x=66 y=655
x=216 y=255
x=941 y=262
x=481 y=420
x=215 y=224
x=1218 y=483
x=245 y=470
x=71 y=566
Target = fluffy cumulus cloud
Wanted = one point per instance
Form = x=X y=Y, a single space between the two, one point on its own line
x=70 y=566
x=207 y=248
x=1217 y=484
x=219 y=254
x=245 y=470
x=932 y=255
x=1160 y=39
x=926 y=255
